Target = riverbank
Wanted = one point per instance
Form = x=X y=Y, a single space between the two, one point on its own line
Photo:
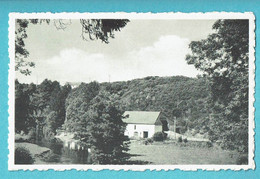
x=36 y=151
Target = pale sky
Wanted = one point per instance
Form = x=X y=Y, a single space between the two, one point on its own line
x=142 y=48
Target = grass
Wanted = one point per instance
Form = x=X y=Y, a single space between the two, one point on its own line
x=160 y=153
x=34 y=149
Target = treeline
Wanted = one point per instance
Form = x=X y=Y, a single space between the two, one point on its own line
x=92 y=114
x=40 y=109
x=177 y=97
x=53 y=106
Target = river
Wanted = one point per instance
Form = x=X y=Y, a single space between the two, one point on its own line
x=66 y=155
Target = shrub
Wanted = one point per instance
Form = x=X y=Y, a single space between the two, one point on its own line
x=148 y=141
x=242 y=160
x=51 y=157
x=159 y=136
x=23 y=156
x=180 y=139
x=185 y=140
x=209 y=144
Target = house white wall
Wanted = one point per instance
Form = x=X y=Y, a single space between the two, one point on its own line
x=139 y=129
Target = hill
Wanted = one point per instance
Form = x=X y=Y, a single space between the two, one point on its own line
x=177 y=97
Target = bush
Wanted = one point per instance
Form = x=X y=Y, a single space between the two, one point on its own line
x=209 y=144
x=51 y=157
x=159 y=136
x=148 y=141
x=242 y=160
x=23 y=156
x=185 y=140
x=180 y=139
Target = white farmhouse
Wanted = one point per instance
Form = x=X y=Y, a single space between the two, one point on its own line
x=142 y=124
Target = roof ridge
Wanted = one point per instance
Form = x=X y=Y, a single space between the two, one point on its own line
x=141 y=117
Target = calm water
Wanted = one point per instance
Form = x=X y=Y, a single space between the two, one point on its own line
x=66 y=155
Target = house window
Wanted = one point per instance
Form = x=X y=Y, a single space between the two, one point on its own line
x=134 y=127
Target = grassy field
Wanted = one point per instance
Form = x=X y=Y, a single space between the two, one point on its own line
x=170 y=153
x=33 y=148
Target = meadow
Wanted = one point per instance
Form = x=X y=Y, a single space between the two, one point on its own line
x=162 y=153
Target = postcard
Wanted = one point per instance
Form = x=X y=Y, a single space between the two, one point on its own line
x=131 y=91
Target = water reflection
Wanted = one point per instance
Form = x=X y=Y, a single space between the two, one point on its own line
x=67 y=155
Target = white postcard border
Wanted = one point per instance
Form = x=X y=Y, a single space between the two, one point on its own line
x=123 y=15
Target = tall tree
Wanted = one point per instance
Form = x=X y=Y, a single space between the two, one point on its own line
x=23 y=107
x=48 y=104
x=103 y=131
x=223 y=57
x=77 y=103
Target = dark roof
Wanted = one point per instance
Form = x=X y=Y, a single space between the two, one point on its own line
x=142 y=117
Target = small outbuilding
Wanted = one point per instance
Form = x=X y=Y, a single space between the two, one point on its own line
x=142 y=124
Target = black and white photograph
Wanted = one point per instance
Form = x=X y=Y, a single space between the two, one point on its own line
x=131 y=91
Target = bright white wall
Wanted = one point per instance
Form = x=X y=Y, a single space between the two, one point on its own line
x=140 y=128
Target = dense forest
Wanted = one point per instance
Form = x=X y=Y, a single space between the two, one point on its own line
x=94 y=110
x=177 y=97
x=40 y=109
x=54 y=106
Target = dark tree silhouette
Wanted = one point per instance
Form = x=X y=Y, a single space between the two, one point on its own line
x=223 y=57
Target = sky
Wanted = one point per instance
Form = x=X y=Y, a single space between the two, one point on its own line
x=142 y=48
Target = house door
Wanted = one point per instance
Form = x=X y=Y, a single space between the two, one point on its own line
x=145 y=134
x=135 y=134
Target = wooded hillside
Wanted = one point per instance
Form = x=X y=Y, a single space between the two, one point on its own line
x=181 y=97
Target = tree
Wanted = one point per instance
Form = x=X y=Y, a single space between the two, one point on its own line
x=20 y=51
x=51 y=124
x=23 y=107
x=93 y=29
x=223 y=57
x=77 y=103
x=93 y=115
x=48 y=106
x=103 y=131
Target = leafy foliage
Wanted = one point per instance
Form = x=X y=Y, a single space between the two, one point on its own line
x=51 y=157
x=223 y=57
x=101 y=28
x=180 y=139
x=180 y=97
x=23 y=156
x=159 y=136
x=21 y=53
x=23 y=107
x=40 y=110
x=77 y=104
x=52 y=106
x=99 y=126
